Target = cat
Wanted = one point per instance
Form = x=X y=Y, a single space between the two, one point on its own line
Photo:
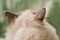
x=29 y=25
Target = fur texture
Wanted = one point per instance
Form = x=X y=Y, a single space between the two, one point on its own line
x=27 y=27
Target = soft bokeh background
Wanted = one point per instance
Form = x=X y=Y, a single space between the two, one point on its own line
x=52 y=6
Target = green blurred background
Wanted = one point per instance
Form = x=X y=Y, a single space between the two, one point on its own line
x=53 y=10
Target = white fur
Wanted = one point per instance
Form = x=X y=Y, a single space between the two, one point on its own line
x=26 y=28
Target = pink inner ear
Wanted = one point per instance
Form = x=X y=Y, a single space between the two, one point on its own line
x=43 y=11
x=10 y=16
x=41 y=14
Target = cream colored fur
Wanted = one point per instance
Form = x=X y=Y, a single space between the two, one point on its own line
x=27 y=28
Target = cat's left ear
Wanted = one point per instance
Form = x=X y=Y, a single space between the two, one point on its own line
x=10 y=16
x=41 y=14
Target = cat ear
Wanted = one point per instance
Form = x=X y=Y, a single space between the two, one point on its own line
x=41 y=14
x=10 y=16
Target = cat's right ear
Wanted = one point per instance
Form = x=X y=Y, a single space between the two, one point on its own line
x=10 y=16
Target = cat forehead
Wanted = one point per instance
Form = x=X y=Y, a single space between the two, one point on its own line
x=26 y=15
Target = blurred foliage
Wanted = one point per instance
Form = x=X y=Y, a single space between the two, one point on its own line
x=54 y=16
x=20 y=5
